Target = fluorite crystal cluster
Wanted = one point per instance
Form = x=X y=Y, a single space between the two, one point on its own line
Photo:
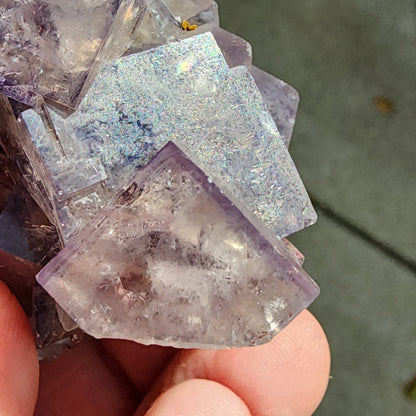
x=159 y=153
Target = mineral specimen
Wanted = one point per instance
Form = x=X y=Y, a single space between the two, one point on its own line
x=172 y=261
x=183 y=92
x=183 y=255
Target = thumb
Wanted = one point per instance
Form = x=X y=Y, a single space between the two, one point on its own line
x=19 y=369
x=198 y=397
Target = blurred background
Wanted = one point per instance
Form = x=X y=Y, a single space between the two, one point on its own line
x=354 y=65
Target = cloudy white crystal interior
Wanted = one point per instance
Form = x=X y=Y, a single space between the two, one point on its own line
x=171 y=261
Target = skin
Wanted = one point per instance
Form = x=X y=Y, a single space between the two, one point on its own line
x=286 y=377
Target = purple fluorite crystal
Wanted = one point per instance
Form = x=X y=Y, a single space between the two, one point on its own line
x=281 y=99
x=172 y=261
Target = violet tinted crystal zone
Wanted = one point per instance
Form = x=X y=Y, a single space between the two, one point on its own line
x=236 y=50
x=281 y=99
x=172 y=261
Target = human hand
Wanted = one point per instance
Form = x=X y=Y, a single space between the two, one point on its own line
x=288 y=376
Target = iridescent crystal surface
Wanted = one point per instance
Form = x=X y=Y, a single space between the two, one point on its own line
x=172 y=261
x=183 y=92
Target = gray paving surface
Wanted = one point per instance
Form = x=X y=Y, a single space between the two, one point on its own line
x=361 y=163
x=367 y=307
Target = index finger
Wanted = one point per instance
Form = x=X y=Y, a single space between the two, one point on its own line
x=19 y=369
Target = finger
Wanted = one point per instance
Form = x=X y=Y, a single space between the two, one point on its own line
x=19 y=370
x=81 y=382
x=143 y=364
x=19 y=275
x=199 y=397
x=286 y=376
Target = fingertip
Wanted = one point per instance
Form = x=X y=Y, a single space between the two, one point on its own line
x=288 y=375
x=19 y=368
x=307 y=369
x=199 y=397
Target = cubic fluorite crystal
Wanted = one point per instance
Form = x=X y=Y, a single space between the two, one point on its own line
x=183 y=92
x=172 y=261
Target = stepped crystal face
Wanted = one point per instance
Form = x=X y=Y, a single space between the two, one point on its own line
x=172 y=261
x=184 y=92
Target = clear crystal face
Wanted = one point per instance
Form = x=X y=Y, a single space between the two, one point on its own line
x=183 y=92
x=162 y=22
x=48 y=46
x=171 y=261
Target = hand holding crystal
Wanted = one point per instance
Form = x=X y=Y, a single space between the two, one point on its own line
x=191 y=256
x=110 y=377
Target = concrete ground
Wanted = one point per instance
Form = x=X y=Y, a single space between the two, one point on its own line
x=354 y=65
